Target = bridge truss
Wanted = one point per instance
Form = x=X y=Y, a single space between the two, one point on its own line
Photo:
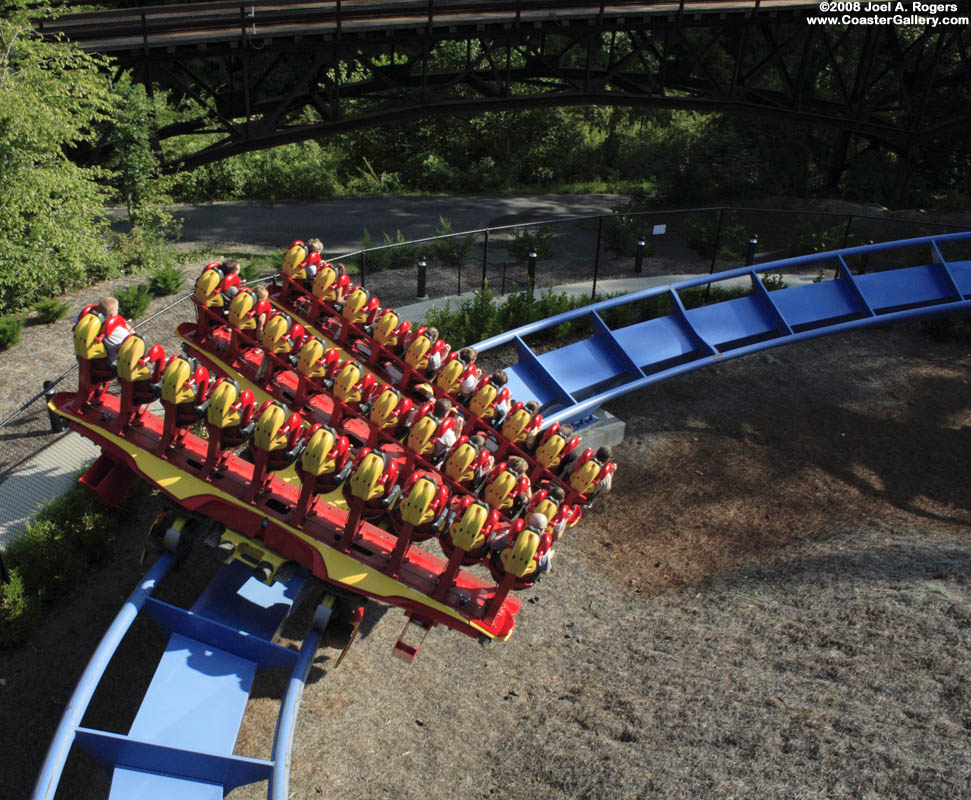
x=260 y=75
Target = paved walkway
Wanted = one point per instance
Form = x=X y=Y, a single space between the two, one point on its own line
x=47 y=475
x=341 y=223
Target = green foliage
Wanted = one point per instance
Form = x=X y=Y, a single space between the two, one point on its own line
x=134 y=301
x=472 y=322
x=138 y=178
x=390 y=257
x=48 y=561
x=454 y=250
x=526 y=240
x=812 y=236
x=52 y=98
x=165 y=280
x=702 y=234
x=69 y=535
x=368 y=181
x=773 y=282
x=480 y=317
x=621 y=233
x=50 y=309
x=20 y=611
x=254 y=270
x=307 y=171
x=11 y=326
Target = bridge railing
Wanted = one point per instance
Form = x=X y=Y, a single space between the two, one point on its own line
x=156 y=25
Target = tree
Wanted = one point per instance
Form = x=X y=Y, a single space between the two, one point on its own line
x=52 y=212
x=136 y=175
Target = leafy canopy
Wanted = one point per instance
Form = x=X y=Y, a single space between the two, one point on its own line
x=52 y=212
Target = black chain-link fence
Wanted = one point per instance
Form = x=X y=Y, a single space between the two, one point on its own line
x=613 y=253
x=601 y=255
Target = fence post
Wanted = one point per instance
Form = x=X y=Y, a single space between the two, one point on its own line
x=363 y=260
x=596 y=261
x=846 y=232
x=865 y=260
x=718 y=241
x=485 y=258
x=753 y=242
x=422 y=276
x=639 y=255
x=531 y=271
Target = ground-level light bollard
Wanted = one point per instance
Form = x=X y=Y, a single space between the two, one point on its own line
x=753 y=242
x=639 y=255
x=531 y=271
x=422 y=279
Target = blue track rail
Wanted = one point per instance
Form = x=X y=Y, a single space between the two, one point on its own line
x=571 y=382
x=180 y=745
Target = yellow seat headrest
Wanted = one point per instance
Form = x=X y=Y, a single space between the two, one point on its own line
x=519 y=559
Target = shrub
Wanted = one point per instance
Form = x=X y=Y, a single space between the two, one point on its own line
x=11 y=326
x=20 y=611
x=455 y=249
x=389 y=257
x=49 y=562
x=731 y=240
x=479 y=317
x=134 y=301
x=67 y=535
x=165 y=280
x=622 y=232
x=254 y=270
x=532 y=239
x=50 y=309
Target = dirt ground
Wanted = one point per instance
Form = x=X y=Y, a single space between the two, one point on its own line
x=774 y=601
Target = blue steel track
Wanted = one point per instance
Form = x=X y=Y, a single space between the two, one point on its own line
x=892 y=282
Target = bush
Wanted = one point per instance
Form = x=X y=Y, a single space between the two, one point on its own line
x=479 y=317
x=165 y=280
x=134 y=301
x=622 y=232
x=20 y=611
x=539 y=240
x=50 y=309
x=455 y=249
x=731 y=240
x=389 y=257
x=11 y=326
x=66 y=536
x=254 y=270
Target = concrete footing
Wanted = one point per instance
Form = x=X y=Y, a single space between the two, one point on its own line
x=598 y=429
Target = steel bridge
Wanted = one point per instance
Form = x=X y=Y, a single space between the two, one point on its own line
x=261 y=74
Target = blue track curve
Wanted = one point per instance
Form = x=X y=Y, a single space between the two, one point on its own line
x=869 y=288
x=181 y=743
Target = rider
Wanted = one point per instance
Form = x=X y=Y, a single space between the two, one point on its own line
x=231 y=283
x=312 y=262
x=115 y=328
